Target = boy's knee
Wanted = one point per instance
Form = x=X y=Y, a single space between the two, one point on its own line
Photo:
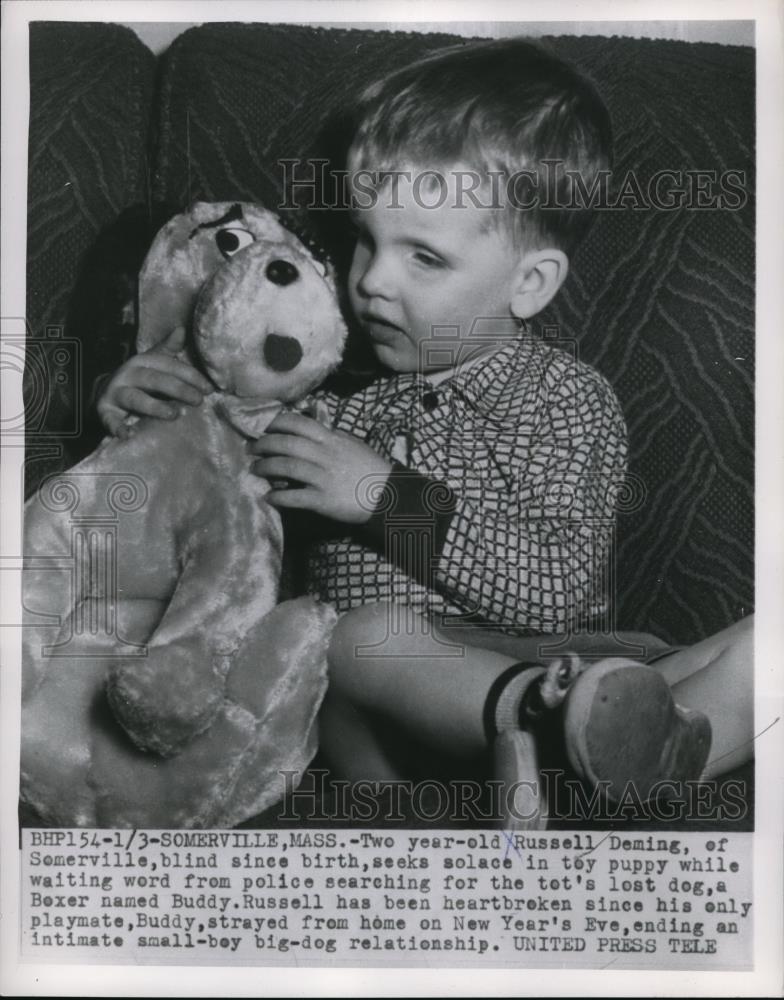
x=737 y=640
x=364 y=636
x=356 y=630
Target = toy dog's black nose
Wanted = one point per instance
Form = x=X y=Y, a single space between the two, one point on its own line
x=282 y=353
x=281 y=272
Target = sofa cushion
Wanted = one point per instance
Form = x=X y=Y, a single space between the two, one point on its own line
x=90 y=94
x=660 y=301
x=663 y=305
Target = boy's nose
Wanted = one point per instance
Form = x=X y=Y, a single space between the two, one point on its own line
x=375 y=279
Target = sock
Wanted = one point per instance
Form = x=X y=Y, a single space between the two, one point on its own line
x=504 y=702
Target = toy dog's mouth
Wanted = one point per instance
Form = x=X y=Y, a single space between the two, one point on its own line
x=282 y=354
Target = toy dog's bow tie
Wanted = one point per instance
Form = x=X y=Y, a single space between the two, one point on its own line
x=249 y=416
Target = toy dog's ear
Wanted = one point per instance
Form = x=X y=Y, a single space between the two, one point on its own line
x=169 y=283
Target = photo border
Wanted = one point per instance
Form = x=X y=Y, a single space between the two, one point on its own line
x=45 y=979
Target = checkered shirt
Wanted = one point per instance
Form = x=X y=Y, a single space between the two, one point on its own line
x=500 y=507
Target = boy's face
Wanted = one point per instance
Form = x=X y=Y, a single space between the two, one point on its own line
x=416 y=268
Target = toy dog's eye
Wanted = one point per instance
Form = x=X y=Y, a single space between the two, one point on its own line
x=229 y=241
x=281 y=272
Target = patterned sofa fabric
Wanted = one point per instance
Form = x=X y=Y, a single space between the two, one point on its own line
x=91 y=91
x=661 y=301
x=664 y=300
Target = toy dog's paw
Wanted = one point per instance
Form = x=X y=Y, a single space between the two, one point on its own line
x=166 y=699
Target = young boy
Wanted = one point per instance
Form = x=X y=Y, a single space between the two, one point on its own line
x=475 y=483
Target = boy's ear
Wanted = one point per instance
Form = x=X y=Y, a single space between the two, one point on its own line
x=538 y=277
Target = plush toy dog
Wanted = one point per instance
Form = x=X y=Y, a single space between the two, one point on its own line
x=163 y=684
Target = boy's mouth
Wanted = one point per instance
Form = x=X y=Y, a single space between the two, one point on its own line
x=377 y=326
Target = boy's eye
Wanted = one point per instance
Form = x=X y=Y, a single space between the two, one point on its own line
x=427 y=259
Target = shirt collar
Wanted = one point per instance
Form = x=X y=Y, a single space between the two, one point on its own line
x=484 y=384
x=481 y=383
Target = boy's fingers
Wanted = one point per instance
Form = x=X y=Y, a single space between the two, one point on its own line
x=285 y=444
x=302 y=499
x=295 y=423
x=280 y=467
x=168 y=386
x=179 y=369
x=175 y=342
x=125 y=430
x=114 y=422
x=137 y=401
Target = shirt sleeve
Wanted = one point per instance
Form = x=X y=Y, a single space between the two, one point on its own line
x=539 y=561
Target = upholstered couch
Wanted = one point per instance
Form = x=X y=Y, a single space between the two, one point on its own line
x=661 y=301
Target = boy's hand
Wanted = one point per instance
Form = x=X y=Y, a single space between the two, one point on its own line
x=338 y=470
x=135 y=388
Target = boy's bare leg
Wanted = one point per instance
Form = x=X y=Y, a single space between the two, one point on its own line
x=351 y=742
x=386 y=659
x=716 y=677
